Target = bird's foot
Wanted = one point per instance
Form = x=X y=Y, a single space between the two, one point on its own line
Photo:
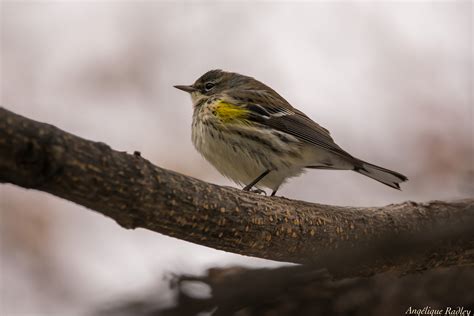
x=254 y=190
x=258 y=191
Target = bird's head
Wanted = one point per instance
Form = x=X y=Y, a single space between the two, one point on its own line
x=215 y=82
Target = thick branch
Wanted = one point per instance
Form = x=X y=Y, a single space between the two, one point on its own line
x=136 y=193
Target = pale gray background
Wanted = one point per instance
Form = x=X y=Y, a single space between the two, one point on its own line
x=392 y=81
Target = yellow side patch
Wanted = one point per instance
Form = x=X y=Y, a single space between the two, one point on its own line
x=230 y=113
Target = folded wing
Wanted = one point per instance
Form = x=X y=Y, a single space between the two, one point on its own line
x=271 y=110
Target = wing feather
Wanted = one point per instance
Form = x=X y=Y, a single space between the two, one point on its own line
x=270 y=109
x=306 y=130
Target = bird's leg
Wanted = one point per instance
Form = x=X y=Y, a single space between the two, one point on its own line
x=274 y=192
x=254 y=182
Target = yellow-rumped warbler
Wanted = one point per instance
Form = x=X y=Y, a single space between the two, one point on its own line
x=256 y=138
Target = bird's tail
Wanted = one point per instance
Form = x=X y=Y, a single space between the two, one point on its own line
x=382 y=175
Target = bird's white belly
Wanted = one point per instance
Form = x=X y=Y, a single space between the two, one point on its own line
x=242 y=158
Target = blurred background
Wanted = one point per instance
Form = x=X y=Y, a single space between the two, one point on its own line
x=392 y=81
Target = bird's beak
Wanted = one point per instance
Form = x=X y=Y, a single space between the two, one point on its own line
x=186 y=88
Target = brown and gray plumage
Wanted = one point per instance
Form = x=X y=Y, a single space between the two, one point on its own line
x=253 y=136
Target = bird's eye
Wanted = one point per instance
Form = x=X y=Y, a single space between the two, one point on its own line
x=209 y=86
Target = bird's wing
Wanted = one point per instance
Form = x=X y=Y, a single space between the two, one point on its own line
x=270 y=109
x=305 y=129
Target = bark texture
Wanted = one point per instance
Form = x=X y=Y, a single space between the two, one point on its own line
x=135 y=193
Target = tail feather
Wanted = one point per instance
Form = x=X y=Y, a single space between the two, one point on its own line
x=382 y=175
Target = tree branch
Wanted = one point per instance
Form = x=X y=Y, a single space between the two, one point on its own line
x=297 y=290
x=135 y=193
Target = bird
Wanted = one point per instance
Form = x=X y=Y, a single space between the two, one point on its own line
x=257 y=139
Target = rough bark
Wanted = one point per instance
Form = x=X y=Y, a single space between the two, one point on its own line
x=135 y=193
